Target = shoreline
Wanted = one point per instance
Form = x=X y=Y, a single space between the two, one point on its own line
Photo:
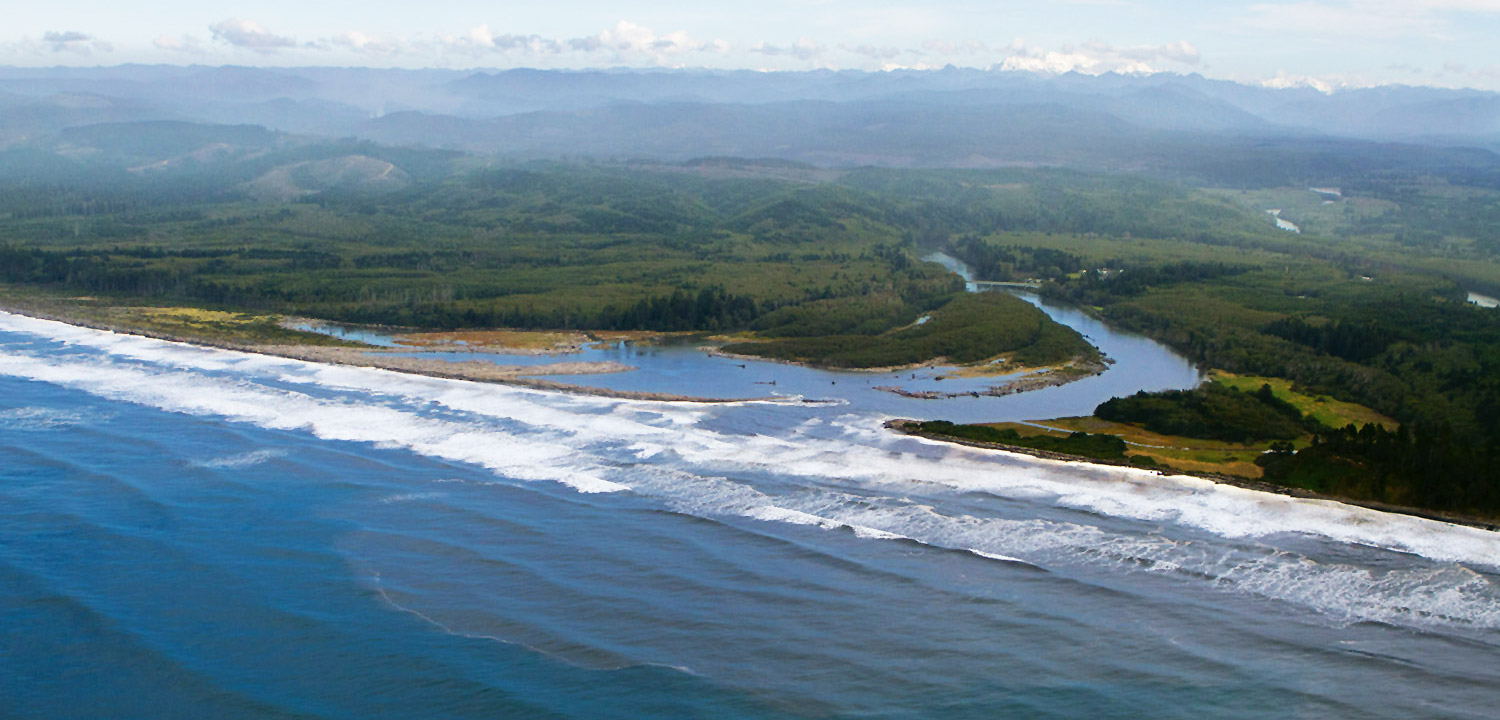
x=471 y=371
x=523 y=376
x=906 y=427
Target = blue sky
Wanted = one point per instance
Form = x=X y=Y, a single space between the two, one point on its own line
x=1326 y=42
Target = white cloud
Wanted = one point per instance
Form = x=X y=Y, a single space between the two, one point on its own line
x=951 y=48
x=1096 y=57
x=361 y=43
x=804 y=48
x=628 y=41
x=874 y=51
x=73 y=41
x=181 y=44
x=250 y=35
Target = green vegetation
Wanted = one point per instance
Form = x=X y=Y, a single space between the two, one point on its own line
x=818 y=272
x=1357 y=320
x=1162 y=452
x=1211 y=412
x=1321 y=409
x=1099 y=447
x=185 y=323
x=969 y=328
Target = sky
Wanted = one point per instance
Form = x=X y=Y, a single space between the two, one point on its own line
x=1324 y=43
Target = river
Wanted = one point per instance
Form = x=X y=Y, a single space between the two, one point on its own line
x=189 y=532
x=683 y=368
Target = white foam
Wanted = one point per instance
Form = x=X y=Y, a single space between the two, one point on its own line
x=699 y=471
x=241 y=460
x=522 y=458
x=998 y=556
x=39 y=418
x=410 y=497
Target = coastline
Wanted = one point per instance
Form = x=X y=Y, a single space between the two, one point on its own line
x=522 y=376
x=907 y=427
x=473 y=371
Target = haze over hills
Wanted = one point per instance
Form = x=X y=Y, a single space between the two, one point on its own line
x=1184 y=126
x=345 y=100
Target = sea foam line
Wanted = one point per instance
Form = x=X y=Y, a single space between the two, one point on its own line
x=862 y=456
x=194 y=394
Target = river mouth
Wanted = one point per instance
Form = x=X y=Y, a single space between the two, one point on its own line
x=401 y=530
x=686 y=368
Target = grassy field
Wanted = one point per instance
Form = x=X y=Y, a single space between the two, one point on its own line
x=1182 y=453
x=1324 y=409
x=169 y=321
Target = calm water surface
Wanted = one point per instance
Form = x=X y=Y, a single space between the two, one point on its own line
x=192 y=533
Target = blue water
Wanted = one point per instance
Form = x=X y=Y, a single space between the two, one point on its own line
x=197 y=533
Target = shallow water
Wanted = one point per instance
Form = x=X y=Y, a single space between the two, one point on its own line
x=190 y=532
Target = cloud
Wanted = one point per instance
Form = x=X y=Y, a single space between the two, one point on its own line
x=1096 y=57
x=803 y=49
x=362 y=43
x=874 y=51
x=627 y=41
x=480 y=40
x=950 y=47
x=250 y=35
x=182 y=44
x=74 y=41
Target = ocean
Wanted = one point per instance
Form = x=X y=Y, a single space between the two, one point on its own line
x=198 y=533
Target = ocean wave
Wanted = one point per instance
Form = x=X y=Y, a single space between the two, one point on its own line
x=832 y=472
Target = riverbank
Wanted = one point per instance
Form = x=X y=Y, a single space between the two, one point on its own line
x=909 y=427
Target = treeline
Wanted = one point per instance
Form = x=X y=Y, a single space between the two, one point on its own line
x=1400 y=345
x=1013 y=262
x=710 y=309
x=1353 y=341
x=1102 y=287
x=1098 y=446
x=1428 y=466
x=1211 y=412
x=969 y=328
